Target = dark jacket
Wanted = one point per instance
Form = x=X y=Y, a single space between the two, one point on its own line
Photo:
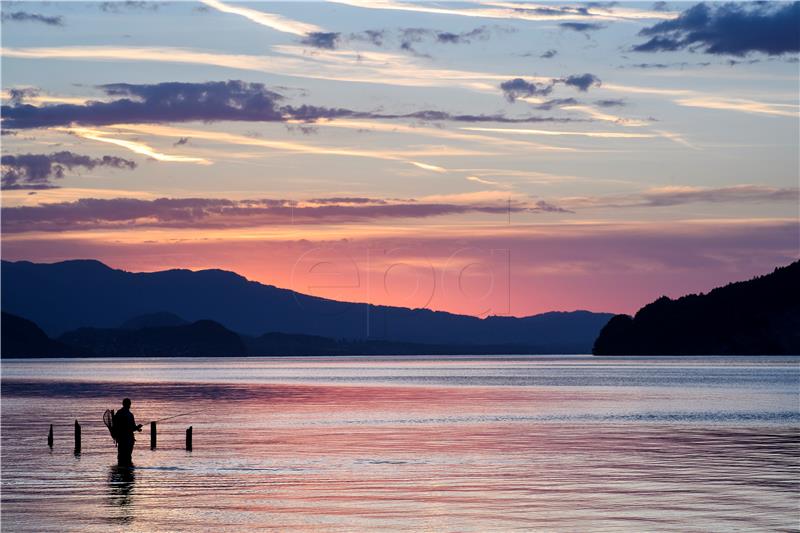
x=124 y=425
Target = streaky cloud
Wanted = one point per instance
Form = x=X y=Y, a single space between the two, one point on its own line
x=554 y=133
x=514 y=10
x=668 y=196
x=680 y=195
x=270 y=20
x=742 y=105
x=484 y=181
x=347 y=66
x=403 y=156
x=134 y=146
x=426 y=166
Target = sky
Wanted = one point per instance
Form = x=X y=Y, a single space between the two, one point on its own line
x=481 y=157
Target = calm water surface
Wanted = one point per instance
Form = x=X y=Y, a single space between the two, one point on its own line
x=414 y=444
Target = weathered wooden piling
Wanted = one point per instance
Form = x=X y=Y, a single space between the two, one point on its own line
x=189 y=439
x=77 y=437
x=153 y=435
x=50 y=436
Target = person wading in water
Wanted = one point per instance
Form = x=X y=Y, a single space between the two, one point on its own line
x=124 y=427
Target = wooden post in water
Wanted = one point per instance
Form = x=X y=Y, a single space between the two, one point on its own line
x=189 y=439
x=152 y=435
x=77 y=437
x=50 y=436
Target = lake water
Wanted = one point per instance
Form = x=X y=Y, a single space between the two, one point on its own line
x=408 y=443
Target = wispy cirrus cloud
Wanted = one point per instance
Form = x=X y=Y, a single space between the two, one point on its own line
x=742 y=105
x=484 y=181
x=426 y=166
x=668 y=196
x=593 y=134
x=370 y=67
x=270 y=20
x=603 y=116
x=434 y=131
x=291 y=147
x=680 y=195
x=137 y=147
x=691 y=98
x=515 y=10
x=36 y=171
x=555 y=133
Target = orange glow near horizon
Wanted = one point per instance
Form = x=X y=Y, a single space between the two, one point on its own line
x=478 y=270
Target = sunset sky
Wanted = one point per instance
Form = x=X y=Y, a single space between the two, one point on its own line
x=483 y=157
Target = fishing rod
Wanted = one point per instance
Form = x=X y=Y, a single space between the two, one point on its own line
x=109 y=415
x=176 y=416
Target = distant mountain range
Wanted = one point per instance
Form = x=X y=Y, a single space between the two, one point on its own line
x=23 y=338
x=756 y=317
x=72 y=296
x=167 y=335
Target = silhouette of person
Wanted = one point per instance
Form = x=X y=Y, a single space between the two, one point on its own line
x=124 y=426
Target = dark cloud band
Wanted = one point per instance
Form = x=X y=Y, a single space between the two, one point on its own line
x=24 y=16
x=210 y=101
x=520 y=88
x=771 y=28
x=35 y=171
x=92 y=213
x=582 y=27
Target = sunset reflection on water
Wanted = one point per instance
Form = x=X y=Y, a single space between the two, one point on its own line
x=437 y=445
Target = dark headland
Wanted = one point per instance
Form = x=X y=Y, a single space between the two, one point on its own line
x=760 y=316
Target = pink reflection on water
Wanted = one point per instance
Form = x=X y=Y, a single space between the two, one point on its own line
x=360 y=457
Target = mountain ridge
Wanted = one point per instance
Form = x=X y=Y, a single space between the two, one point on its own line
x=88 y=293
